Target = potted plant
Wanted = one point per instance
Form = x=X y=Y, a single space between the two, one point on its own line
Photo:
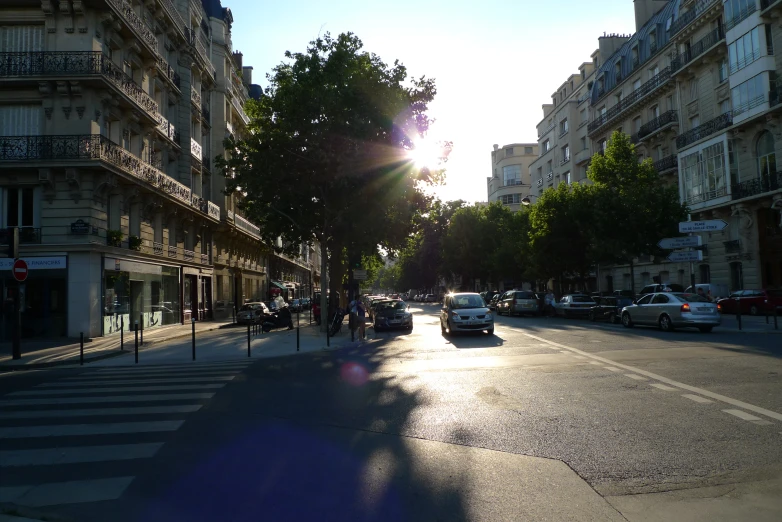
x=134 y=242
x=114 y=238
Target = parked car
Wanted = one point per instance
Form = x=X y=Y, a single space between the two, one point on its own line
x=711 y=291
x=251 y=313
x=662 y=287
x=306 y=303
x=465 y=311
x=295 y=305
x=430 y=298
x=494 y=300
x=572 y=305
x=752 y=302
x=609 y=308
x=392 y=314
x=373 y=306
x=670 y=310
x=518 y=302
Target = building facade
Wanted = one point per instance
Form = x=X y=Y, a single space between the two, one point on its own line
x=111 y=115
x=510 y=181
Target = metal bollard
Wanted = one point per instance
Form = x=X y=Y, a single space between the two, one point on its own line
x=776 y=326
x=192 y=320
x=233 y=314
x=297 y=338
x=738 y=313
x=81 y=348
x=141 y=322
x=122 y=333
x=136 y=328
x=248 y=340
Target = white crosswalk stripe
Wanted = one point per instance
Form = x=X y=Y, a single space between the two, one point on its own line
x=42 y=428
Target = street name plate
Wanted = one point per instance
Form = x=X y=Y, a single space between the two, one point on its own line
x=360 y=275
x=712 y=225
x=694 y=255
x=672 y=243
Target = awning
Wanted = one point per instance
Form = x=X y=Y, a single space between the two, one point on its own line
x=279 y=285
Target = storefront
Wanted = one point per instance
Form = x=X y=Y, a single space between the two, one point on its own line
x=43 y=298
x=136 y=291
x=197 y=294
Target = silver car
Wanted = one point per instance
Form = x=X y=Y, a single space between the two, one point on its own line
x=670 y=310
x=463 y=312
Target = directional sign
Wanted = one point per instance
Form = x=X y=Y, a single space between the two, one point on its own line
x=712 y=225
x=672 y=243
x=360 y=275
x=19 y=270
x=694 y=255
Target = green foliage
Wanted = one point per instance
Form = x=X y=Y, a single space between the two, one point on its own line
x=114 y=237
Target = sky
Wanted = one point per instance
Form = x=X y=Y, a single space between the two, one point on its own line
x=495 y=62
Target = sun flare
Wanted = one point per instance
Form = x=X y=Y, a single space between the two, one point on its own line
x=425 y=153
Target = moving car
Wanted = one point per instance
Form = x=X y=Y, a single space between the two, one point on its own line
x=609 y=308
x=373 y=306
x=518 y=302
x=392 y=314
x=494 y=300
x=572 y=305
x=752 y=302
x=670 y=310
x=251 y=313
x=464 y=312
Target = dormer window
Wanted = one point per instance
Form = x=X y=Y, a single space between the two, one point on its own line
x=652 y=42
x=583 y=74
x=636 y=57
x=618 y=69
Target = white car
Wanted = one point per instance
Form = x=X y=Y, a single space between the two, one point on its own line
x=465 y=312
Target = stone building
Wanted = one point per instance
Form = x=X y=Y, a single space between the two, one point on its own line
x=510 y=180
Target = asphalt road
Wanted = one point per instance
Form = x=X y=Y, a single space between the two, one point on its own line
x=549 y=419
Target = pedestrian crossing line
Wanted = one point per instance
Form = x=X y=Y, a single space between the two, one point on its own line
x=70 y=430
x=702 y=400
x=189 y=366
x=743 y=415
x=636 y=377
x=611 y=368
x=90 y=382
x=86 y=391
x=663 y=387
x=595 y=363
x=71 y=492
x=93 y=412
x=172 y=371
x=78 y=454
x=117 y=398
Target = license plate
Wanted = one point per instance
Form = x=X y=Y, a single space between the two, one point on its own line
x=526 y=305
x=393 y=322
x=704 y=309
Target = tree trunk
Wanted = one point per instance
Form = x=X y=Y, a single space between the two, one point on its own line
x=324 y=281
x=632 y=278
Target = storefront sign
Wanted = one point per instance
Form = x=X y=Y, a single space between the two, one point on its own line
x=37 y=263
x=80 y=227
x=121 y=265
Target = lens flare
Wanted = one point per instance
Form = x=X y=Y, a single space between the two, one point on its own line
x=353 y=373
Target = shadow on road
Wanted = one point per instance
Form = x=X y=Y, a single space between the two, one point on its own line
x=314 y=437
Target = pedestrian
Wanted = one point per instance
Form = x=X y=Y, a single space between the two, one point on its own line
x=549 y=304
x=361 y=312
x=699 y=291
x=286 y=319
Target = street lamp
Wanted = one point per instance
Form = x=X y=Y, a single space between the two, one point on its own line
x=526 y=201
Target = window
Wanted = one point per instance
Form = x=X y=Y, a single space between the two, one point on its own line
x=20 y=206
x=704 y=174
x=583 y=74
x=540 y=172
x=528 y=150
x=583 y=115
x=546 y=146
x=511 y=175
x=583 y=143
x=769 y=40
x=660 y=299
x=637 y=124
x=736 y=275
x=654 y=112
x=737 y=10
x=705 y=274
x=602 y=110
x=652 y=41
x=748 y=95
x=671 y=107
x=744 y=51
x=603 y=145
x=654 y=70
x=563 y=127
x=637 y=84
x=636 y=57
x=510 y=199
x=566 y=177
x=694 y=89
x=645 y=299
x=767 y=164
x=694 y=122
x=549 y=170
x=723 y=70
x=509 y=152
x=618 y=97
x=565 y=153
x=724 y=106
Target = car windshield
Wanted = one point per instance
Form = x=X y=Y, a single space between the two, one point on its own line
x=691 y=298
x=468 y=301
x=582 y=299
x=247 y=307
x=525 y=295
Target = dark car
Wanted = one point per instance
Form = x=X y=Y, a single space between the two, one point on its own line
x=306 y=303
x=752 y=302
x=609 y=308
x=494 y=300
x=392 y=314
x=664 y=287
x=295 y=305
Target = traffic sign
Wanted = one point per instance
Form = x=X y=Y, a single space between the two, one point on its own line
x=19 y=270
x=360 y=275
x=672 y=243
x=711 y=225
x=693 y=255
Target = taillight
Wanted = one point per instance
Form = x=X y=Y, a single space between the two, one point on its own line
x=685 y=307
x=719 y=307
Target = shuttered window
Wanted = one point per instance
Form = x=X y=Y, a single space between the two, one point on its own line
x=21 y=38
x=20 y=120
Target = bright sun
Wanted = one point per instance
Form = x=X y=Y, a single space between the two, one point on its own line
x=426 y=153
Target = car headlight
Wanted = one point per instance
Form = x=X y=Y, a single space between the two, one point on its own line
x=454 y=315
x=488 y=315
x=408 y=315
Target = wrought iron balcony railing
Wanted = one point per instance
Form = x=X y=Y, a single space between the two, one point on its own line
x=157 y=248
x=173 y=13
x=667 y=163
x=689 y=17
x=246 y=225
x=631 y=99
x=656 y=124
x=194 y=39
x=741 y=15
x=195 y=149
x=169 y=71
x=214 y=211
x=27 y=235
x=707 y=129
x=195 y=97
x=91 y=63
x=550 y=176
x=697 y=49
x=749 y=105
x=136 y=24
x=166 y=128
x=733 y=246
x=540 y=182
x=189 y=255
x=761 y=185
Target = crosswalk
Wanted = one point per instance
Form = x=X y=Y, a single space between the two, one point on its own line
x=76 y=439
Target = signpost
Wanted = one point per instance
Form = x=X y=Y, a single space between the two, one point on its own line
x=19 y=270
x=712 y=225
x=687 y=255
x=360 y=275
x=672 y=243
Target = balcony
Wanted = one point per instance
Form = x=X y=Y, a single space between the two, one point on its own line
x=583 y=156
x=195 y=97
x=27 y=236
x=512 y=182
x=166 y=128
x=173 y=13
x=540 y=183
x=753 y=187
x=205 y=114
x=195 y=149
x=195 y=39
x=243 y=224
x=239 y=109
x=749 y=105
x=680 y=61
x=667 y=163
x=687 y=18
x=70 y=64
x=742 y=15
x=168 y=72
x=629 y=101
x=564 y=160
x=550 y=176
x=707 y=129
x=136 y=24
x=732 y=247
x=767 y=4
x=189 y=255
x=652 y=127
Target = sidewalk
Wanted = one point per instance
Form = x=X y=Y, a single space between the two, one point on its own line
x=43 y=354
x=749 y=324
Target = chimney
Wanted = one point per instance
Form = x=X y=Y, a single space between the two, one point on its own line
x=238 y=59
x=610 y=43
x=645 y=10
x=496 y=146
x=247 y=75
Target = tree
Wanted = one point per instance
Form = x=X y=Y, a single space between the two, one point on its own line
x=326 y=155
x=633 y=209
x=464 y=244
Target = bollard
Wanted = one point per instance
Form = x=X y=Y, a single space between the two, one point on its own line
x=233 y=314
x=81 y=348
x=297 y=338
x=738 y=313
x=136 y=349
x=776 y=327
x=192 y=320
x=122 y=333
x=248 y=340
x=141 y=322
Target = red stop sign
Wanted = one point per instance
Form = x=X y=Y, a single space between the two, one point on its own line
x=19 y=269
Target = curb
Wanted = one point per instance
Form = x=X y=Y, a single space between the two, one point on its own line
x=40 y=366
x=16 y=512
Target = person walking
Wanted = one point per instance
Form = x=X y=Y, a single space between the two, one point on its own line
x=361 y=313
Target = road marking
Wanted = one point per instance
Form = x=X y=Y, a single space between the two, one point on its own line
x=716 y=396
x=696 y=398
x=88 y=382
x=78 y=454
x=612 y=368
x=762 y=422
x=636 y=377
x=182 y=387
x=743 y=415
x=178 y=376
x=157 y=367
x=91 y=412
x=177 y=372
x=579 y=357
x=118 y=398
x=72 y=492
x=594 y=362
x=662 y=387
x=70 y=430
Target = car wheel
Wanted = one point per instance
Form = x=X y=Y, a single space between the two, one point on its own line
x=666 y=325
x=753 y=310
x=626 y=321
x=490 y=331
x=705 y=329
x=592 y=316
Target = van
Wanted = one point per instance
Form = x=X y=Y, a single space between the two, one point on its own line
x=712 y=291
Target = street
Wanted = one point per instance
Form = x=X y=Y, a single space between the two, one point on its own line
x=548 y=419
